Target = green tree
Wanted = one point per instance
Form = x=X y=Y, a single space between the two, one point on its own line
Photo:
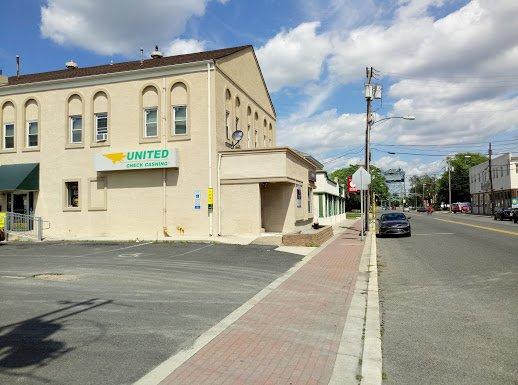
x=378 y=184
x=460 y=163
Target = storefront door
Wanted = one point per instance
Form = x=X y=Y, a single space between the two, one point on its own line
x=19 y=203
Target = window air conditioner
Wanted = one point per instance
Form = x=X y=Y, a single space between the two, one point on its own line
x=102 y=137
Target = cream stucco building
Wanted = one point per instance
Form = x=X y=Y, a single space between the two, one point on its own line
x=145 y=149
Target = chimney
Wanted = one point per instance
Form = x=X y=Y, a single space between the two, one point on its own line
x=156 y=54
x=141 y=56
x=71 y=65
x=3 y=79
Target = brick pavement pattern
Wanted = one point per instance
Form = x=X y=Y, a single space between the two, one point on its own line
x=292 y=335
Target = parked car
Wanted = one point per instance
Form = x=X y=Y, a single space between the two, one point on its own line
x=455 y=208
x=503 y=214
x=393 y=224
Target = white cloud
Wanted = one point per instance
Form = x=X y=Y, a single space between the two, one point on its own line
x=457 y=74
x=322 y=133
x=183 y=46
x=294 y=57
x=117 y=26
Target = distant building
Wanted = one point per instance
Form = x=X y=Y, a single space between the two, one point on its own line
x=505 y=183
x=329 y=199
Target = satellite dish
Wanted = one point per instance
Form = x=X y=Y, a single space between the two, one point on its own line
x=237 y=135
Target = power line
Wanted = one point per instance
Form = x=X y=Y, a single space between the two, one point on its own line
x=445 y=145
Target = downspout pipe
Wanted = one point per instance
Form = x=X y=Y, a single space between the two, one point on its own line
x=209 y=133
x=219 y=193
x=164 y=170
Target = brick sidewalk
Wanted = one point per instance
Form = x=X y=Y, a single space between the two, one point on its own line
x=292 y=335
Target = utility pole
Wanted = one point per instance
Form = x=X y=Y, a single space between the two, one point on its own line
x=368 y=97
x=490 y=152
x=449 y=182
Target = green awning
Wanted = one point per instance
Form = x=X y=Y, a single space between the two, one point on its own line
x=24 y=176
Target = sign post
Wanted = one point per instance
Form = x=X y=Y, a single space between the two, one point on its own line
x=362 y=179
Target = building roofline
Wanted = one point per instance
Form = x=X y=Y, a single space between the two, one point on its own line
x=73 y=74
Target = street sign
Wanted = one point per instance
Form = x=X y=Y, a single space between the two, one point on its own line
x=514 y=203
x=362 y=179
x=351 y=187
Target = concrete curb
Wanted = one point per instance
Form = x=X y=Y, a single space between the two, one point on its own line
x=156 y=375
x=347 y=369
x=372 y=366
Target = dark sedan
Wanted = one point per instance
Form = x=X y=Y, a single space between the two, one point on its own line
x=393 y=224
x=504 y=214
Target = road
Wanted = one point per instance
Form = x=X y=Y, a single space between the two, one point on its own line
x=450 y=302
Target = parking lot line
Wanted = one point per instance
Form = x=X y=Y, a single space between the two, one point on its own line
x=515 y=233
x=121 y=248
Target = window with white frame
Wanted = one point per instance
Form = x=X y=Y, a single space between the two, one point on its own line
x=8 y=142
x=151 y=122
x=101 y=127
x=179 y=120
x=32 y=133
x=76 y=129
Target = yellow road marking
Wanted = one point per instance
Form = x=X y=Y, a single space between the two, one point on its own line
x=480 y=227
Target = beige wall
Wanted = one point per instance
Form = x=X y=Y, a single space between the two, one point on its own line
x=239 y=76
x=134 y=204
x=278 y=207
x=241 y=209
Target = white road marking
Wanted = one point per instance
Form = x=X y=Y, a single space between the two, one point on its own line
x=122 y=248
x=12 y=276
x=433 y=233
x=192 y=251
x=134 y=255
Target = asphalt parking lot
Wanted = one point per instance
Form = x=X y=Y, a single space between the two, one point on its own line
x=91 y=313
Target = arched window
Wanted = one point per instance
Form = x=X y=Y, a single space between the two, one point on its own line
x=237 y=114
x=248 y=127
x=101 y=108
x=270 y=134
x=264 y=132
x=8 y=128
x=32 y=129
x=179 y=110
x=256 y=129
x=75 y=113
x=150 y=118
x=228 y=98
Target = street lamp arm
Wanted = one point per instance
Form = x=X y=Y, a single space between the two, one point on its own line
x=406 y=117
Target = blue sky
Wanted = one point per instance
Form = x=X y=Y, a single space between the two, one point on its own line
x=450 y=63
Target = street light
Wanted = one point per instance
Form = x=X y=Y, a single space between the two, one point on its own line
x=370 y=123
x=406 y=117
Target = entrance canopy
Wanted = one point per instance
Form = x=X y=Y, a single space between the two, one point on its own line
x=25 y=176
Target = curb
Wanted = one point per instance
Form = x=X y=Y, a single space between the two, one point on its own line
x=347 y=369
x=372 y=366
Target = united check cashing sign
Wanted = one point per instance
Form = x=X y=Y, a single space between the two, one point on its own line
x=136 y=160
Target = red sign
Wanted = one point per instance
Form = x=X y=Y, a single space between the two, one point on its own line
x=351 y=187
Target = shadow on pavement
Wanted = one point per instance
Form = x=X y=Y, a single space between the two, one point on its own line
x=30 y=343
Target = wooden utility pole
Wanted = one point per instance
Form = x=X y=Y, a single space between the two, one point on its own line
x=489 y=153
x=369 y=71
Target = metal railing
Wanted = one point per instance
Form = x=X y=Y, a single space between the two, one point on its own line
x=24 y=225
